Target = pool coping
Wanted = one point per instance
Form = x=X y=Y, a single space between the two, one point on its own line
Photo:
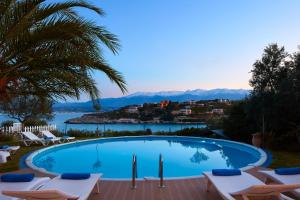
x=260 y=162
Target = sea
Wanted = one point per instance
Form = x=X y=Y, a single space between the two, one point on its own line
x=61 y=117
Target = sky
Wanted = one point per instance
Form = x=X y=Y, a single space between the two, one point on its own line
x=192 y=44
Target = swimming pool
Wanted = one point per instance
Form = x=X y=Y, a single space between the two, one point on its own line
x=183 y=156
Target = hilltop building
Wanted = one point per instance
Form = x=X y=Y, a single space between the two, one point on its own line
x=219 y=111
x=164 y=104
x=132 y=109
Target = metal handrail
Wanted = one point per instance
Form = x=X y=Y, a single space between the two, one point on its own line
x=134 y=171
x=161 y=172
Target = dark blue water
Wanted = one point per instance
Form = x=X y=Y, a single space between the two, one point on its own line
x=60 y=118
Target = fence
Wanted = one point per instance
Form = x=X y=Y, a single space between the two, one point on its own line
x=17 y=129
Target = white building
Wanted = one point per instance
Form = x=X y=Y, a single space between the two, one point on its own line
x=127 y=120
x=218 y=111
x=132 y=109
x=223 y=100
x=185 y=111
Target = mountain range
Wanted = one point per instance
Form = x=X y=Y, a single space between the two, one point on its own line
x=153 y=97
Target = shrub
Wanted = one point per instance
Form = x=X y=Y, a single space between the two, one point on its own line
x=34 y=122
x=81 y=133
x=7 y=138
x=7 y=123
x=110 y=133
x=194 y=132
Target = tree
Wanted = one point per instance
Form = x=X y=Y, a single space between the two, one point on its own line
x=273 y=106
x=47 y=50
x=267 y=75
x=167 y=116
x=28 y=108
x=268 y=70
x=239 y=125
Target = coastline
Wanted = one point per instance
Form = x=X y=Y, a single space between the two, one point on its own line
x=155 y=123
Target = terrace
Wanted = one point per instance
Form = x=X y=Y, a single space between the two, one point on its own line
x=192 y=189
x=187 y=122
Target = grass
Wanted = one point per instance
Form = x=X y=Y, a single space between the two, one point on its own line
x=13 y=163
x=285 y=159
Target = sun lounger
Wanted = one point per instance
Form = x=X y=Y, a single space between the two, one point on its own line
x=11 y=149
x=59 y=188
x=30 y=138
x=284 y=179
x=63 y=138
x=245 y=185
x=67 y=138
x=3 y=156
x=48 y=134
x=41 y=195
x=21 y=186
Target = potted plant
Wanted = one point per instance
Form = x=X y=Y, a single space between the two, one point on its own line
x=256 y=139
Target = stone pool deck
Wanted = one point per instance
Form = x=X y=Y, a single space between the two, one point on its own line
x=183 y=189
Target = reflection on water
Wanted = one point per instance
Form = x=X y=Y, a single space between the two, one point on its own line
x=211 y=147
x=97 y=164
x=46 y=163
x=198 y=157
x=236 y=161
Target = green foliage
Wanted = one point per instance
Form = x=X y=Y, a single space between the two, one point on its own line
x=194 y=132
x=146 y=117
x=239 y=125
x=7 y=138
x=215 y=122
x=273 y=107
x=7 y=123
x=285 y=159
x=34 y=122
x=167 y=116
x=47 y=50
x=24 y=108
x=80 y=133
x=269 y=71
x=110 y=133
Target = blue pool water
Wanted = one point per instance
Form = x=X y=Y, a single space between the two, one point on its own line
x=183 y=156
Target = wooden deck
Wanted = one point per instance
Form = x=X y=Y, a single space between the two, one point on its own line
x=184 y=189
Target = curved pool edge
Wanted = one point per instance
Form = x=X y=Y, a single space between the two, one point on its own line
x=260 y=162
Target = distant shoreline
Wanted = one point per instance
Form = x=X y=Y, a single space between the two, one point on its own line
x=142 y=123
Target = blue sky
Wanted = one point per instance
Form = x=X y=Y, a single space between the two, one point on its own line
x=191 y=44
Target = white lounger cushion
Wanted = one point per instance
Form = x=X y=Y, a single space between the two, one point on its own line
x=78 y=188
x=3 y=156
x=21 y=186
x=31 y=136
x=227 y=185
x=284 y=179
x=11 y=148
x=231 y=184
x=49 y=134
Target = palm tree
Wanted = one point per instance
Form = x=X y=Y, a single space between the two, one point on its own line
x=48 y=50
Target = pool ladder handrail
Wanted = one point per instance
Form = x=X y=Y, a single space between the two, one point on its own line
x=134 y=172
x=161 y=172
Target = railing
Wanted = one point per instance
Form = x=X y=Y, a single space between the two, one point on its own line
x=161 y=171
x=134 y=171
x=18 y=129
x=40 y=128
